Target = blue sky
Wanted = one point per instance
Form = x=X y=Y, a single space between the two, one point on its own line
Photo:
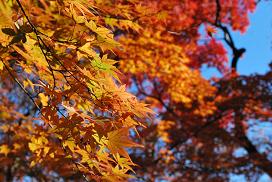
x=257 y=40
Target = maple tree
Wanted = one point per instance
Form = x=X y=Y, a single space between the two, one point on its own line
x=65 y=112
x=201 y=123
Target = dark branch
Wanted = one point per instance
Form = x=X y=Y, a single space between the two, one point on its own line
x=237 y=52
x=256 y=158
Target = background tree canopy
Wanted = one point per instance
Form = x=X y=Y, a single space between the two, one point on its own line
x=112 y=90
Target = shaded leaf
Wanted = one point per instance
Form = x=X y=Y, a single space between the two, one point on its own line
x=9 y=31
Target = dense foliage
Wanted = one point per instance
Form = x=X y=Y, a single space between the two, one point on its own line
x=66 y=114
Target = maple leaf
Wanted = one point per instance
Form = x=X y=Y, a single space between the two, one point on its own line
x=118 y=140
x=4 y=149
x=211 y=31
x=44 y=99
x=70 y=143
x=1 y=65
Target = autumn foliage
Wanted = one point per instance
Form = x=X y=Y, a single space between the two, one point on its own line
x=112 y=90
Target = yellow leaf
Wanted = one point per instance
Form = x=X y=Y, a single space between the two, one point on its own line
x=52 y=155
x=68 y=157
x=118 y=140
x=4 y=149
x=70 y=144
x=46 y=150
x=124 y=163
x=91 y=24
x=33 y=146
x=44 y=99
x=162 y=15
x=28 y=70
x=16 y=146
x=32 y=163
x=42 y=140
x=1 y=66
x=86 y=48
x=84 y=154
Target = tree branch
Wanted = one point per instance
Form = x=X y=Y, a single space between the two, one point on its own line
x=237 y=52
x=258 y=159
